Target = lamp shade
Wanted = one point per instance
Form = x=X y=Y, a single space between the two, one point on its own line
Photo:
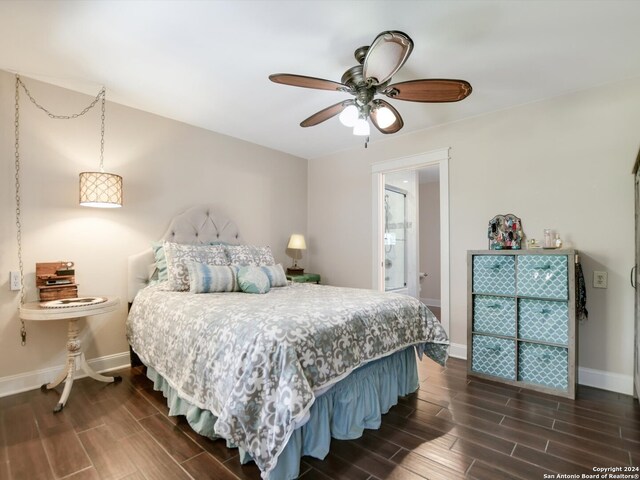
x=349 y=116
x=100 y=189
x=361 y=127
x=296 y=242
x=385 y=117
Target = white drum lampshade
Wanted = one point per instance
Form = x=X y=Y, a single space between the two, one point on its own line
x=100 y=189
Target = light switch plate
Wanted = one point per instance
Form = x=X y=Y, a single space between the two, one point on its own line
x=599 y=279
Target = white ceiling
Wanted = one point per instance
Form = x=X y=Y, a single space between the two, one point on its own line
x=206 y=63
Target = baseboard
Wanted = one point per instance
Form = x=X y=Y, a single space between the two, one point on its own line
x=614 y=382
x=32 y=380
x=431 y=302
x=458 y=350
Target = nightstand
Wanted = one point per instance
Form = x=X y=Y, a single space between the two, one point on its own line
x=305 y=278
x=75 y=356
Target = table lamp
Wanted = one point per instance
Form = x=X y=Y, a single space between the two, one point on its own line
x=295 y=247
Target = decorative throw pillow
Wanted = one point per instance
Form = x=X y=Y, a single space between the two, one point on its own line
x=253 y=280
x=161 y=261
x=179 y=255
x=263 y=256
x=276 y=275
x=250 y=255
x=212 y=278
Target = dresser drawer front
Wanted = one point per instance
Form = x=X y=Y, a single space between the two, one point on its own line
x=543 y=276
x=543 y=365
x=494 y=274
x=495 y=315
x=494 y=356
x=543 y=321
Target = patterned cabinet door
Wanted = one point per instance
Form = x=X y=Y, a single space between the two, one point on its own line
x=495 y=315
x=543 y=365
x=494 y=274
x=494 y=356
x=543 y=276
x=543 y=320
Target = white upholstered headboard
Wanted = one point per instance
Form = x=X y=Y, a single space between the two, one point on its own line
x=200 y=224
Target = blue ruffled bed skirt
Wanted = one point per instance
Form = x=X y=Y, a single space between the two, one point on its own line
x=342 y=412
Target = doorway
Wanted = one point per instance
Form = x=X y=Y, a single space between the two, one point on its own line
x=426 y=262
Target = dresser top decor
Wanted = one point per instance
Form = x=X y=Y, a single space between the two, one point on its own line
x=505 y=232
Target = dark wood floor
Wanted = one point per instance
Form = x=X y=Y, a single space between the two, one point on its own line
x=453 y=427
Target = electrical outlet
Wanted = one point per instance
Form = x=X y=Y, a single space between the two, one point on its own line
x=14 y=281
x=599 y=279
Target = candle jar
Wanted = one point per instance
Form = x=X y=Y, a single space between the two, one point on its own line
x=549 y=238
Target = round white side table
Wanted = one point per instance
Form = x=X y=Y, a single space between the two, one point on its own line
x=75 y=356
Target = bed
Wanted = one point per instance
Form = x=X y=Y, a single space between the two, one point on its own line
x=277 y=375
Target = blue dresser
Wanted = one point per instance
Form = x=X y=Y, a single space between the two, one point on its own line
x=521 y=318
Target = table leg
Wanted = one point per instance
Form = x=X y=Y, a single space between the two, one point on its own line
x=95 y=375
x=75 y=360
x=73 y=352
x=65 y=393
x=48 y=386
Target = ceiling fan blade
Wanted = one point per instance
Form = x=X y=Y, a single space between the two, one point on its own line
x=326 y=114
x=433 y=90
x=386 y=55
x=306 y=82
x=380 y=118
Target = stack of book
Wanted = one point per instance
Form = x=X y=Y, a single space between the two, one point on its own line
x=56 y=280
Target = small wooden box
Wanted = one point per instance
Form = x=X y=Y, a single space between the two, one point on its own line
x=56 y=280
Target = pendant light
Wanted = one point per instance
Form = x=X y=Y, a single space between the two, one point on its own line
x=101 y=189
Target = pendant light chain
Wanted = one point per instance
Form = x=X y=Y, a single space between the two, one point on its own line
x=101 y=95
x=104 y=94
x=23 y=330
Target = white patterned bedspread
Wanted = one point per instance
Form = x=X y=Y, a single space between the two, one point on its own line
x=255 y=361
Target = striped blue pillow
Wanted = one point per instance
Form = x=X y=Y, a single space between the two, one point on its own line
x=212 y=278
x=277 y=277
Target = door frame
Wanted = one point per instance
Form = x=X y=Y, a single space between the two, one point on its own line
x=440 y=158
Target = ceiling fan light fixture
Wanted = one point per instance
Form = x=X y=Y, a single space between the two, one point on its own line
x=361 y=127
x=377 y=64
x=385 y=117
x=349 y=116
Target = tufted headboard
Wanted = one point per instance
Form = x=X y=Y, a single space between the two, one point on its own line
x=200 y=224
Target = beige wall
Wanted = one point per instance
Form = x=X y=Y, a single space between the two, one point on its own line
x=167 y=166
x=563 y=163
x=429 y=199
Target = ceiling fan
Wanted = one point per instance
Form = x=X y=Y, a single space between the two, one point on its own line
x=372 y=76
